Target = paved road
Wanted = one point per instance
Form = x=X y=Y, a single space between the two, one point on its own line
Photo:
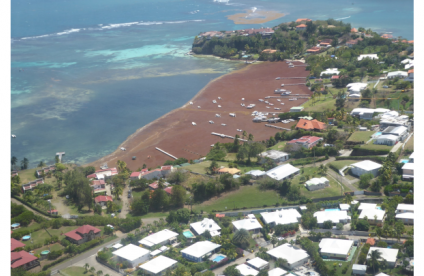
x=396 y=147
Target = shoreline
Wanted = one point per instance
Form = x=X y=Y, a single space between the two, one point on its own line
x=174 y=133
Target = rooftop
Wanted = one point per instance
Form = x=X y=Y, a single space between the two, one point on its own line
x=371 y=56
x=131 y=252
x=256 y=172
x=371 y=241
x=305 y=140
x=284 y=216
x=334 y=216
x=359 y=267
x=388 y=254
x=246 y=270
x=273 y=154
x=20 y=258
x=363 y=206
x=257 y=262
x=335 y=246
x=103 y=199
x=405 y=207
x=407 y=215
x=16 y=244
x=316 y=181
x=282 y=171
x=158 y=237
x=201 y=248
x=248 y=224
x=85 y=229
x=372 y=214
x=158 y=264
x=277 y=272
x=310 y=124
x=289 y=252
x=206 y=224
x=367 y=165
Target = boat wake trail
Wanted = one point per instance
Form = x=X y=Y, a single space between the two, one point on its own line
x=342 y=18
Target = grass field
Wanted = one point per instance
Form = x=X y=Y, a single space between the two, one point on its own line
x=246 y=196
x=371 y=146
x=75 y=271
x=200 y=167
x=320 y=105
x=52 y=247
x=341 y=163
x=410 y=144
x=359 y=136
x=279 y=146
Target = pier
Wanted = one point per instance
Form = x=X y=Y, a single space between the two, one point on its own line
x=60 y=155
x=227 y=136
x=170 y=155
x=277 y=127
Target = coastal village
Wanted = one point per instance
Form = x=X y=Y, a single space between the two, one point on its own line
x=300 y=163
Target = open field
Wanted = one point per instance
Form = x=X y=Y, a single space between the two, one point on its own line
x=410 y=144
x=75 y=271
x=200 y=167
x=361 y=136
x=246 y=196
x=341 y=163
x=371 y=146
x=326 y=102
x=279 y=146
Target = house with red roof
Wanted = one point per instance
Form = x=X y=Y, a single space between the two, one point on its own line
x=167 y=170
x=53 y=212
x=335 y=77
x=305 y=142
x=168 y=190
x=314 y=49
x=303 y=20
x=310 y=125
x=45 y=170
x=83 y=234
x=155 y=185
x=15 y=244
x=14 y=173
x=102 y=174
x=31 y=185
x=156 y=173
x=353 y=30
x=301 y=27
x=98 y=186
x=23 y=259
x=102 y=200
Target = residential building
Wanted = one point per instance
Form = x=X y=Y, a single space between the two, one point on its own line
x=275 y=155
x=317 y=183
x=258 y=264
x=24 y=260
x=158 y=266
x=250 y=224
x=103 y=200
x=209 y=35
x=136 y=175
x=344 y=207
x=155 y=185
x=330 y=71
x=388 y=254
x=301 y=27
x=283 y=216
x=15 y=244
x=405 y=208
x=408 y=171
x=335 y=248
x=364 y=167
x=371 y=241
x=351 y=43
x=314 y=125
x=104 y=173
x=382 y=274
x=325 y=42
x=31 y=185
x=159 y=238
x=277 y=272
x=98 y=186
x=410 y=75
x=355 y=88
x=364 y=206
x=156 y=173
x=333 y=216
x=353 y=30
x=307 y=142
x=388 y=140
x=296 y=109
x=294 y=255
x=282 y=172
x=313 y=50
x=400 y=131
x=358 y=269
x=256 y=174
x=397 y=74
x=168 y=190
x=406 y=218
x=199 y=250
x=206 y=225
x=134 y=255
x=300 y=20
x=45 y=170
x=269 y=51
x=166 y=170
x=374 y=216
x=83 y=234
x=246 y=270
x=370 y=56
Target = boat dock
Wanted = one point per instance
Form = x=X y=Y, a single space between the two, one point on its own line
x=277 y=127
x=281 y=78
x=170 y=155
x=295 y=83
x=227 y=136
x=60 y=155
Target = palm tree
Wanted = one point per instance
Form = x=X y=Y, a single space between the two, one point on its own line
x=250 y=137
x=86 y=266
x=244 y=134
x=375 y=256
x=241 y=236
x=117 y=191
x=92 y=270
x=24 y=163
x=274 y=241
x=41 y=164
x=281 y=262
x=348 y=198
x=99 y=272
x=14 y=160
x=161 y=183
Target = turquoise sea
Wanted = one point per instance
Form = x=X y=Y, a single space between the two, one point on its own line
x=87 y=74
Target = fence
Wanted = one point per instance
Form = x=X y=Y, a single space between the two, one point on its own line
x=351 y=233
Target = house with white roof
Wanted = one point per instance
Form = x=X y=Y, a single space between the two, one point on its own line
x=333 y=216
x=282 y=172
x=382 y=274
x=356 y=87
x=277 y=272
x=366 y=166
x=133 y=254
x=335 y=248
x=275 y=155
x=405 y=208
x=250 y=224
x=374 y=216
x=370 y=56
x=397 y=74
x=317 y=183
x=258 y=264
x=246 y=270
x=295 y=256
x=344 y=207
x=408 y=171
x=206 y=224
x=364 y=206
x=406 y=61
x=400 y=131
x=406 y=218
x=283 y=216
x=256 y=174
x=387 y=139
x=388 y=254
x=198 y=251
x=330 y=71
x=358 y=269
x=158 y=266
x=367 y=113
x=160 y=238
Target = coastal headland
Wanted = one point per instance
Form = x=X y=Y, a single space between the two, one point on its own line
x=175 y=133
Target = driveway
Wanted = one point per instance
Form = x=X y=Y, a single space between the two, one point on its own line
x=91 y=260
x=126 y=203
x=396 y=147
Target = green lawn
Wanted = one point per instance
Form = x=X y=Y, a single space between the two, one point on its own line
x=410 y=144
x=279 y=146
x=320 y=105
x=371 y=146
x=200 y=167
x=359 y=136
x=246 y=196
x=74 y=271
x=341 y=163
x=52 y=247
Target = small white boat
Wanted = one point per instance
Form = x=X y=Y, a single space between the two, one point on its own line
x=123 y=149
x=282 y=103
x=13 y=136
x=261 y=100
x=191 y=102
x=214 y=101
x=282 y=85
x=210 y=122
x=198 y=106
x=217 y=115
x=266 y=102
x=278 y=78
x=267 y=97
x=242 y=99
x=193 y=123
x=219 y=98
x=278 y=100
x=219 y=106
x=276 y=108
x=271 y=104
x=223 y=124
x=267 y=107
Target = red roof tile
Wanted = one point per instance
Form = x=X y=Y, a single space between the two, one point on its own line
x=166 y=168
x=154 y=185
x=371 y=241
x=103 y=199
x=301 y=26
x=310 y=125
x=98 y=182
x=410 y=71
x=20 y=258
x=334 y=77
x=15 y=244
x=93 y=175
x=85 y=229
x=305 y=140
x=168 y=190
x=135 y=174
x=220 y=215
x=303 y=19
x=354 y=30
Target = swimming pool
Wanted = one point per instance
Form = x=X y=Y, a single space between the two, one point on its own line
x=331 y=210
x=379 y=208
x=218 y=258
x=377 y=133
x=404 y=161
x=45 y=252
x=25 y=238
x=188 y=234
x=15 y=225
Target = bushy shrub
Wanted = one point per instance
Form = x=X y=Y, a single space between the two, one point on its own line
x=54 y=254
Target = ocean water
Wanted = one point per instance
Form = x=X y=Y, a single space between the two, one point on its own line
x=87 y=74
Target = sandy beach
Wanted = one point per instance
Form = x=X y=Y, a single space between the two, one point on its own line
x=175 y=134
